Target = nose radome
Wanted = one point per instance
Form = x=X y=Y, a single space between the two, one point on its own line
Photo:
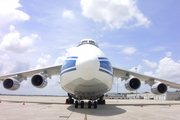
x=87 y=66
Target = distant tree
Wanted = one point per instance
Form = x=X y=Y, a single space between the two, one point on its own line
x=146 y=92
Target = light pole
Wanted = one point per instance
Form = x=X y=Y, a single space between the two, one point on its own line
x=136 y=90
x=117 y=85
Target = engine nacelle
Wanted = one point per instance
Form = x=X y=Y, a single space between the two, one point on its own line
x=159 y=88
x=11 y=83
x=39 y=80
x=132 y=84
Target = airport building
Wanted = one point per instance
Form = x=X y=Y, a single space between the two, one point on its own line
x=147 y=96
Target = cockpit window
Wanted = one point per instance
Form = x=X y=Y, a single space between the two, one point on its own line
x=92 y=42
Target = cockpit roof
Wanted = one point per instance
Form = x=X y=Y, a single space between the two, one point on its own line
x=88 y=41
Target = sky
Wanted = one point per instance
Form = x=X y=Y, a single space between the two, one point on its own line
x=132 y=34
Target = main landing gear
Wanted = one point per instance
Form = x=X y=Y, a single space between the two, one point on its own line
x=81 y=103
x=90 y=104
x=69 y=100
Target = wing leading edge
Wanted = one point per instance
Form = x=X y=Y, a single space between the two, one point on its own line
x=51 y=70
x=121 y=73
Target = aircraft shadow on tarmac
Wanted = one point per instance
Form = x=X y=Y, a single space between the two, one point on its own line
x=111 y=109
x=102 y=110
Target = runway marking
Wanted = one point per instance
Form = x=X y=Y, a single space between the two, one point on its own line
x=67 y=116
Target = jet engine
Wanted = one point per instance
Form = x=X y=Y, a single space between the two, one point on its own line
x=132 y=83
x=39 y=80
x=11 y=83
x=159 y=88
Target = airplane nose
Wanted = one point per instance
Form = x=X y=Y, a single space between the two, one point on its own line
x=87 y=66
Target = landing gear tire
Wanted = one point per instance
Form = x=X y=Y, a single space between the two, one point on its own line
x=76 y=104
x=89 y=104
x=104 y=102
x=82 y=104
x=95 y=104
x=67 y=101
x=71 y=101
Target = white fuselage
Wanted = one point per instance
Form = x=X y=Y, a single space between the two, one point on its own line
x=86 y=73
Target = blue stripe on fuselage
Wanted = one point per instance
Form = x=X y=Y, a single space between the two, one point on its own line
x=105 y=71
x=73 y=69
x=69 y=64
x=105 y=66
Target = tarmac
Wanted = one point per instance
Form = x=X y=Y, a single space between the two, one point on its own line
x=54 y=108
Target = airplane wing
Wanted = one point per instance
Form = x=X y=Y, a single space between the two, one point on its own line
x=121 y=73
x=52 y=70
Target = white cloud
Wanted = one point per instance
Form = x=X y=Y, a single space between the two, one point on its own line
x=168 y=69
x=128 y=58
x=9 y=12
x=105 y=44
x=149 y=73
x=68 y=14
x=158 y=48
x=5 y=65
x=150 y=64
x=61 y=59
x=168 y=54
x=13 y=43
x=44 y=61
x=129 y=50
x=20 y=66
x=136 y=69
x=114 y=13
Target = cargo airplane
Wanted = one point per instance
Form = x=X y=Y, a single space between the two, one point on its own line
x=87 y=74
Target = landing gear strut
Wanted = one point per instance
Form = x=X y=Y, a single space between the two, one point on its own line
x=101 y=100
x=69 y=100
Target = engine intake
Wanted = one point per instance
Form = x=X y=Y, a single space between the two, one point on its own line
x=159 y=88
x=132 y=84
x=39 y=80
x=11 y=84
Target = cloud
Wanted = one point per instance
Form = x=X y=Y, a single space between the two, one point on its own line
x=168 y=54
x=136 y=69
x=44 y=61
x=168 y=69
x=62 y=58
x=68 y=14
x=115 y=14
x=149 y=73
x=5 y=65
x=13 y=43
x=158 y=48
x=9 y=11
x=106 y=44
x=129 y=50
x=20 y=66
x=150 y=64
